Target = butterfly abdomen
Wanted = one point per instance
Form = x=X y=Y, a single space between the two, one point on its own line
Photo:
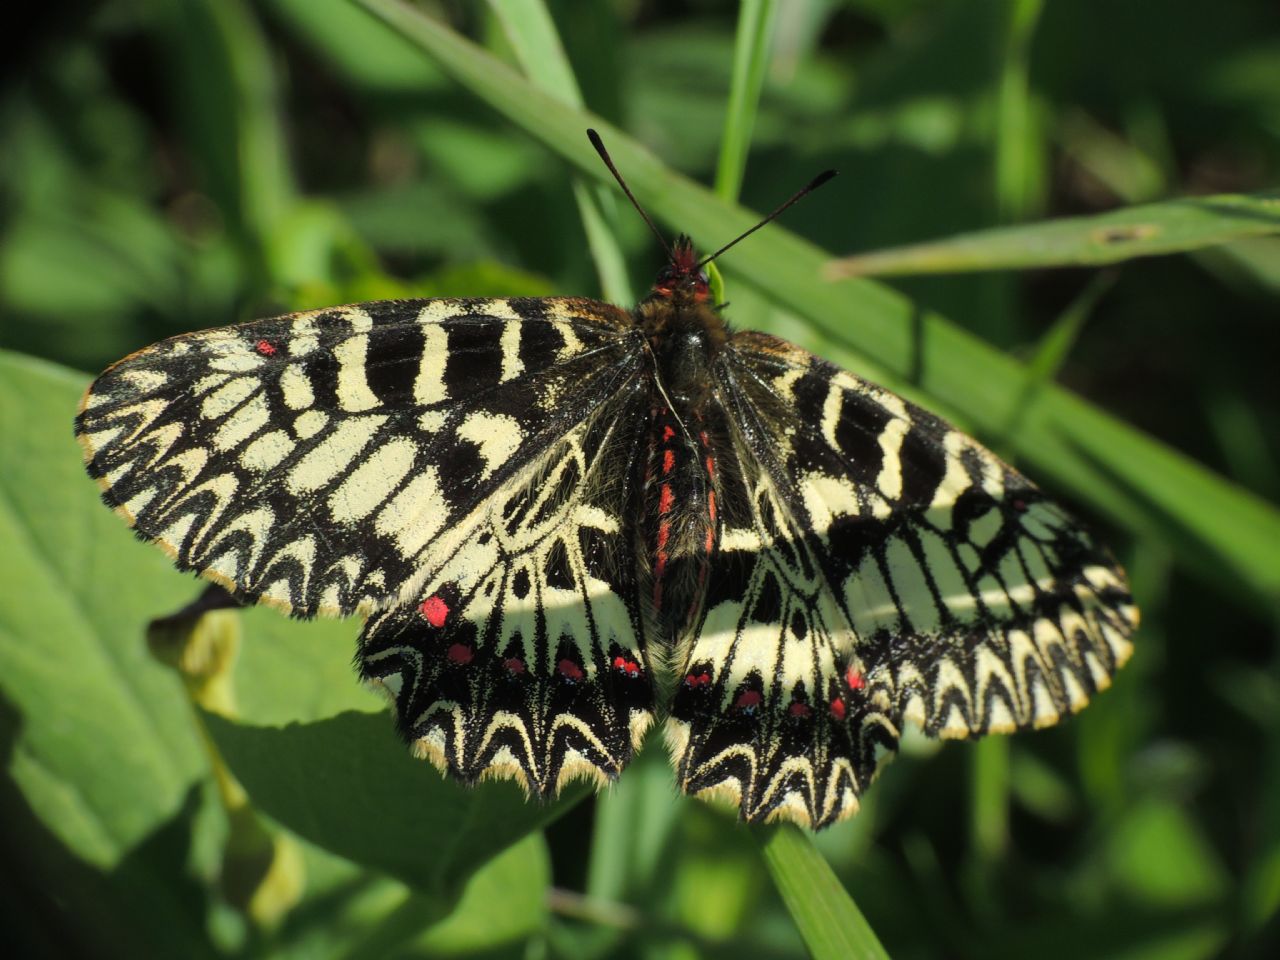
x=679 y=514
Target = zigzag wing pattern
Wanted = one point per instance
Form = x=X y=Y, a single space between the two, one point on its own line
x=975 y=605
x=765 y=716
x=522 y=654
x=312 y=461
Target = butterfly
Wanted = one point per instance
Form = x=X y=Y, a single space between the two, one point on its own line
x=563 y=519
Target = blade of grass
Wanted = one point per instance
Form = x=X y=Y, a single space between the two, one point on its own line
x=989 y=818
x=533 y=37
x=1241 y=434
x=750 y=58
x=219 y=46
x=829 y=921
x=1051 y=352
x=1017 y=168
x=1173 y=226
x=1225 y=534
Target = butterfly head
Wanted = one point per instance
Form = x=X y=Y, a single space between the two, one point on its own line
x=683 y=278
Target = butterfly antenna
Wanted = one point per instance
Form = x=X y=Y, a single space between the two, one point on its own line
x=809 y=187
x=608 y=162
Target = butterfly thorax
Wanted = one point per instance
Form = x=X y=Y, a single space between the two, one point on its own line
x=684 y=329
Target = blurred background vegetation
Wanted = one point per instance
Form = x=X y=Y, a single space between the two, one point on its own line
x=167 y=165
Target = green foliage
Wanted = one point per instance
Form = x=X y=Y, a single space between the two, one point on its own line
x=173 y=166
x=1143 y=231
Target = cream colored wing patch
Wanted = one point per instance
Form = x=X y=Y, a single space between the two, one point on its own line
x=310 y=461
x=890 y=570
x=522 y=653
x=771 y=711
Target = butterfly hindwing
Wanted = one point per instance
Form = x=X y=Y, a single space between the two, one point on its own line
x=311 y=461
x=764 y=714
x=522 y=654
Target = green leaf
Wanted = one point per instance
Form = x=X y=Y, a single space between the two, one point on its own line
x=1173 y=226
x=634 y=821
x=829 y=920
x=1055 y=345
x=750 y=58
x=989 y=816
x=516 y=882
x=221 y=64
x=348 y=784
x=1219 y=530
x=101 y=798
x=533 y=36
x=1019 y=163
x=1159 y=855
x=503 y=902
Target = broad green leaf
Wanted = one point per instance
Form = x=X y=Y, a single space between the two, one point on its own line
x=830 y=922
x=1172 y=226
x=1160 y=856
x=348 y=784
x=1220 y=531
x=504 y=902
x=102 y=762
x=102 y=746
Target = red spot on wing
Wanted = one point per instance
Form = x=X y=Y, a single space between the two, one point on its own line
x=624 y=665
x=460 y=654
x=435 y=610
x=799 y=709
x=668 y=460
x=748 y=700
x=514 y=665
x=1020 y=506
x=667 y=432
x=265 y=347
x=569 y=670
x=696 y=680
x=855 y=679
x=838 y=709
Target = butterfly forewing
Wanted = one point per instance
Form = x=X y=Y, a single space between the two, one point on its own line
x=314 y=461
